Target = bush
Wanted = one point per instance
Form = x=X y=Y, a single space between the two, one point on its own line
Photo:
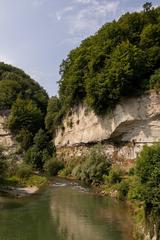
x=3 y=164
x=123 y=188
x=41 y=150
x=36 y=180
x=148 y=172
x=94 y=167
x=135 y=190
x=155 y=80
x=24 y=171
x=115 y=176
x=53 y=166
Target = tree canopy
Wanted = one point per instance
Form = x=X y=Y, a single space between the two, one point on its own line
x=116 y=62
x=25 y=100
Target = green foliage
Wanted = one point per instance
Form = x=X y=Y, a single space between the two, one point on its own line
x=14 y=82
x=68 y=170
x=25 y=138
x=41 y=139
x=24 y=171
x=53 y=166
x=25 y=115
x=155 y=80
x=116 y=62
x=54 y=114
x=8 y=93
x=93 y=167
x=135 y=189
x=148 y=171
x=36 y=180
x=26 y=102
x=3 y=164
x=115 y=176
x=123 y=189
x=40 y=151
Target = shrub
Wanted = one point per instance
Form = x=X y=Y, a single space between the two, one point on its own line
x=36 y=180
x=3 y=164
x=76 y=172
x=53 y=166
x=123 y=188
x=135 y=190
x=24 y=170
x=41 y=150
x=34 y=157
x=115 y=175
x=155 y=80
x=95 y=166
x=148 y=171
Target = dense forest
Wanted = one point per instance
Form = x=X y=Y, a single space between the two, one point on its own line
x=25 y=103
x=120 y=60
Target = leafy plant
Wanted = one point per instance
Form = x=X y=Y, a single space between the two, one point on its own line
x=53 y=166
x=115 y=175
x=24 y=171
x=94 y=166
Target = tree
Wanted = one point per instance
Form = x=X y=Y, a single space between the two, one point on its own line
x=147 y=6
x=114 y=63
x=25 y=115
x=41 y=139
x=3 y=164
x=8 y=93
x=54 y=114
x=148 y=171
x=41 y=150
x=155 y=80
x=25 y=138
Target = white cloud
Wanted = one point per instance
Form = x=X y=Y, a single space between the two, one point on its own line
x=85 y=17
x=91 y=16
x=61 y=13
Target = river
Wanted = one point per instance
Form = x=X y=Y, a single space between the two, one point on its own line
x=64 y=210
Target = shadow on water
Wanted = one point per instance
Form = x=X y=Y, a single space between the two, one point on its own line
x=64 y=211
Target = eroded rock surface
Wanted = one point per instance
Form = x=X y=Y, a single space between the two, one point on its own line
x=7 y=141
x=133 y=123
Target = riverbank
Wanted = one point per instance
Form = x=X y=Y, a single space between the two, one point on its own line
x=22 y=187
x=19 y=191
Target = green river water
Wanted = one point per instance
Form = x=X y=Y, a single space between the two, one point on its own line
x=64 y=210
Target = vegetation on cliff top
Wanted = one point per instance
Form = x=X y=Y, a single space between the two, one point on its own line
x=122 y=59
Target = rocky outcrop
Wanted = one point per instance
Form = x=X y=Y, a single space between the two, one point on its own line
x=7 y=141
x=133 y=123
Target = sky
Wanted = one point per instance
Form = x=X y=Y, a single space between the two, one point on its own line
x=36 y=35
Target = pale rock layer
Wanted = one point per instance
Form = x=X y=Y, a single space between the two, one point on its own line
x=133 y=123
x=7 y=141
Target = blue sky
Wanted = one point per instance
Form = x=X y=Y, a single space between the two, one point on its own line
x=36 y=35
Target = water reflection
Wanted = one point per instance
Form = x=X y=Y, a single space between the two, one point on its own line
x=63 y=211
x=81 y=215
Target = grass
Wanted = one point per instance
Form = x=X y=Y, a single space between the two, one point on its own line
x=15 y=181
x=36 y=180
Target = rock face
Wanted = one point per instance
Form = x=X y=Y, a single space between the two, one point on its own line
x=124 y=131
x=6 y=139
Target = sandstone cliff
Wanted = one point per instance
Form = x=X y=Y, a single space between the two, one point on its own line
x=124 y=131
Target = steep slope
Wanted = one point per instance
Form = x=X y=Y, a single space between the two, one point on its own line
x=124 y=131
x=23 y=104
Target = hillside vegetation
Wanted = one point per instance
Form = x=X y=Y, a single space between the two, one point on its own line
x=25 y=103
x=122 y=59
